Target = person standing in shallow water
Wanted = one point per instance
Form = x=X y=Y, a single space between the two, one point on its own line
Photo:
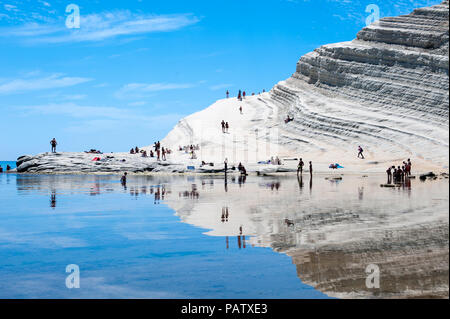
x=225 y=163
x=123 y=179
x=53 y=143
x=389 y=175
x=310 y=168
x=300 y=166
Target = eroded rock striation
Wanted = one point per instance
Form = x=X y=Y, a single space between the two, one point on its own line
x=387 y=90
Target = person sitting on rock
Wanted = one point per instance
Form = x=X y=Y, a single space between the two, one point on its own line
x=144 y=153
x=288 y=119
x=152 y=154
x=136 y=150
x=132 y=151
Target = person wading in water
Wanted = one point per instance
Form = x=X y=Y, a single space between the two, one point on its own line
x=300 y=166
x=123 y=179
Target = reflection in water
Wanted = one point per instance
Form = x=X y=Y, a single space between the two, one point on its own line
x=330 y=234
x=53 y=199
x=361 y=193
x=224 y=217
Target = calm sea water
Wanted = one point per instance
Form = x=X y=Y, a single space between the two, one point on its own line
x=187 y=237
x=10 y=163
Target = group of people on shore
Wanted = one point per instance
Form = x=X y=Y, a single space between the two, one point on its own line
x=160 y=152
x=300 y=166
x=400 y=173
x=190 y=149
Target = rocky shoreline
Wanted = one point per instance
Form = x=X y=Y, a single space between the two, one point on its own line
x=117 y=163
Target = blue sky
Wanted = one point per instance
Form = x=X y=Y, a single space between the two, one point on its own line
x=134 y=68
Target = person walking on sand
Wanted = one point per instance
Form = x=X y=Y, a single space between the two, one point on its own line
x=360 y=152
x=240 y=109
x=223 y=126
x=300 y=166
x=53 y=143
x=243 y=94
x=226 y=127
x=228 y=94
x=310 y=168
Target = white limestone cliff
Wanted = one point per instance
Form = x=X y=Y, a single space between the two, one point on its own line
x=387 y=91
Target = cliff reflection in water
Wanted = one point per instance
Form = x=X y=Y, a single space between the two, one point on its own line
x=333 y=229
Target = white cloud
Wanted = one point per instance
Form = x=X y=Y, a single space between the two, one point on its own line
x=90 y=112
x=42 y=83
x=10 y=7
x=137 y=90
x=220 y=86
x=99 y=27
x=85 y=118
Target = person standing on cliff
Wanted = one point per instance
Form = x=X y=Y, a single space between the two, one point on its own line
x=53 y=143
